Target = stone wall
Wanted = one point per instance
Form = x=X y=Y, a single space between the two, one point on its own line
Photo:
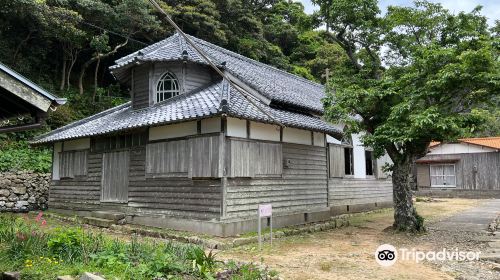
x=23 y=191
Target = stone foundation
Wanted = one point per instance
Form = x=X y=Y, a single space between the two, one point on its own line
x=23 y=191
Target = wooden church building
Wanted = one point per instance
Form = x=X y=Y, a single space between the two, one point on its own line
x=194 y=152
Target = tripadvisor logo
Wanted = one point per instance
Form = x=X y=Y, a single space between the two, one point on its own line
x=387 y=255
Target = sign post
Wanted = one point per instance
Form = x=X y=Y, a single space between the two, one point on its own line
x=265 y=210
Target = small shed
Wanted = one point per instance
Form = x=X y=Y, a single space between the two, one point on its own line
x=469 y=165
x=20 y=97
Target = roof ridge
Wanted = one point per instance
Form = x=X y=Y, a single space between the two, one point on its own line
x=89 y=118
x=250 y=60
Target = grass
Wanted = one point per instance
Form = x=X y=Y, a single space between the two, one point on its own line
x=38 y=250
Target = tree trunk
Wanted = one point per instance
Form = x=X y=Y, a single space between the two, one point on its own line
x=95 y=78
x=63 y=72
x=405 y=214
x=73 y=58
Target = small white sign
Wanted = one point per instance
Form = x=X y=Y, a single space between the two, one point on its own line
x=265 y=210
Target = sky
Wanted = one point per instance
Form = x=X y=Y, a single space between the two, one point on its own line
x=491 y=8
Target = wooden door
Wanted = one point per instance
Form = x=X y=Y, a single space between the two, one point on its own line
x=115 y=168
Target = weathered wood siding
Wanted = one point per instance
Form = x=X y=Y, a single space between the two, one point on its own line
x=423 y=175
x=181 y=197
x=168 y=158
x=251 y=158
x=336 y=158
x=72 y=163
x=145 y=78
x=79 y=192
x=196 y=76
x=204 y=157
x=115 y=169
x=301 y=187
x=140 y=87
x=479 y=171
x=359 y=191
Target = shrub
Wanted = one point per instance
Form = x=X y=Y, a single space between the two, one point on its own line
x=16 y=156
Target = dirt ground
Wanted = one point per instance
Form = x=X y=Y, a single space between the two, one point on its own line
x=348 y=253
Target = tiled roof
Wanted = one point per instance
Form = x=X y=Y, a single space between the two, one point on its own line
x=202 y=103
x=490 y=142
x=196 y=105
x=277 y=85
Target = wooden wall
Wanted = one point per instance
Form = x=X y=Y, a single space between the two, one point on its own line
x=81 y=192
x=359 y=191
x=473 y=171
x=198 y=198
x=145 y=78
x=140 y=87
x=301 y=187
x=184 y=197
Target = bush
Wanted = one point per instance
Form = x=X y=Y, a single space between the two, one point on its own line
x=16 y=156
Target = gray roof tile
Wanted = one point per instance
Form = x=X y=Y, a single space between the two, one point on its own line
x=196 y=105
x=277 y=85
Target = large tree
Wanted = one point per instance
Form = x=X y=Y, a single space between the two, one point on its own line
x=413 y=75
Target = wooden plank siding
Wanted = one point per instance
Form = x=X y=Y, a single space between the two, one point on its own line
x=359 y=191
x=252 y=158
x=140 y=87
x=181 y=197
x=169 y=159
x=301 y=187
x=474 y=171
x=80 y=191
x=204 y=157
x=336 y=157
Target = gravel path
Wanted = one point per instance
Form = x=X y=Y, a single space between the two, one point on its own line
x=466 y=231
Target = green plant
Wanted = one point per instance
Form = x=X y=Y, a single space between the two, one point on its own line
x=204 y=264
x=17 y=155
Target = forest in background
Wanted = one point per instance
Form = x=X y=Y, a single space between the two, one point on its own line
x=66 y=46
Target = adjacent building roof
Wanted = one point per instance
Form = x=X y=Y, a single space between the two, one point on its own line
x=489 y=142
x=277 y=85
x=295 y=102
x=19 y=96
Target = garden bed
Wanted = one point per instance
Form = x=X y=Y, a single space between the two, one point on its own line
x=39 y=250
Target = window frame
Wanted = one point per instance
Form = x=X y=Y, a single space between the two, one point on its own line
x=162 y=80
x=431 y=175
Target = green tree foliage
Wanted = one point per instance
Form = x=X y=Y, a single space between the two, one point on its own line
x=414 y=75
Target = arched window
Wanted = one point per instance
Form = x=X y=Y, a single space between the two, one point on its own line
x=167 y=87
